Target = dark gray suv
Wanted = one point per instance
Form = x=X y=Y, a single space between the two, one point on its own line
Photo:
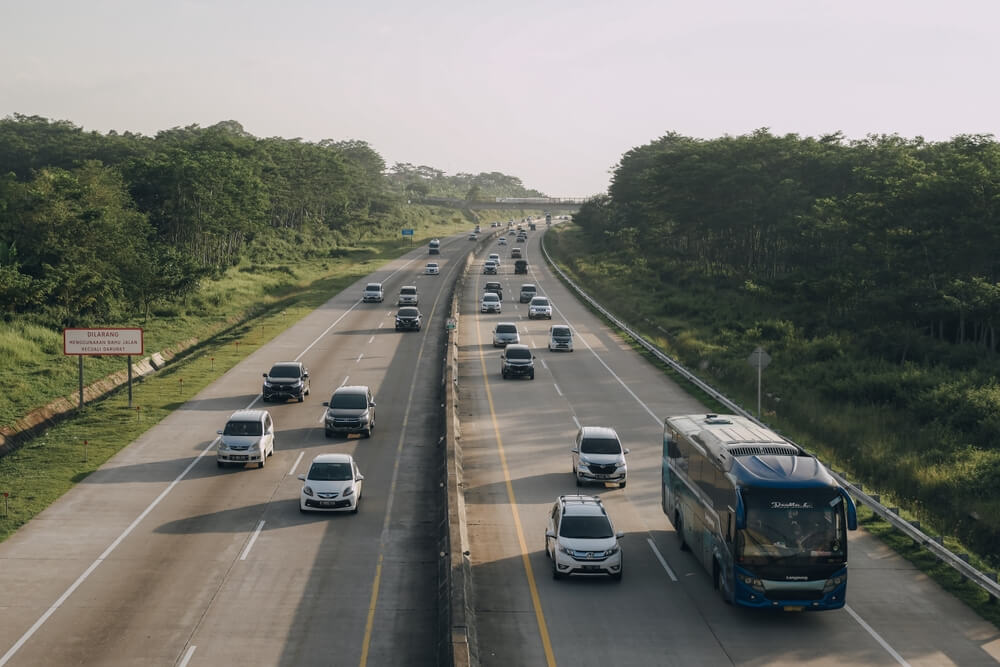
x=286 y=379
x=517 y=361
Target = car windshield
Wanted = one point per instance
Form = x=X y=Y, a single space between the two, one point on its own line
x=349 y=401
x=538 y=301
x=432 y=266
x=243 y=428
x=490 y=297
x=374 y=287
x=284 y=371
x=506 y=328
x=600 y=446
x=330 y=472
x=561 y=333
x=407 y=312
x=528 y=288
x=585 y=527
x=408 y=290
x=518 y=353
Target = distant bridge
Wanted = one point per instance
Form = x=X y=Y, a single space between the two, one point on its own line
x=564 y=204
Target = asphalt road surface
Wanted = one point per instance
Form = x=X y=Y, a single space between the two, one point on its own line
x=516 y=440
x=161 y=558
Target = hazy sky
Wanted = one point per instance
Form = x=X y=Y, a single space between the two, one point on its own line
x=551 y=92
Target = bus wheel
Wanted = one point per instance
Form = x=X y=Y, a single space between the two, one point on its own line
x=679 y=527
x=720 y=582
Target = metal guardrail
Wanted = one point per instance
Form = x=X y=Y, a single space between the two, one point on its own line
x=985 y=580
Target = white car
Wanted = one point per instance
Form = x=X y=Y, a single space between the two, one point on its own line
x=247 y=438
x=598 y=456
x=432 y=269
x=581 y=540
x=540 y=307
x=501 y=241
x=333 y=484
x=493 y=257
x=490 y=303
x=408 y=296
x=560 y=338
x=373 y=293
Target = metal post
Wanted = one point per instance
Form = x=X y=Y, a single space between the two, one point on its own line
x=130 y=381
x=758 y=389
x=80 y=358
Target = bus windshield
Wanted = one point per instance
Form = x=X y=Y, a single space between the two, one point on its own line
x=786 y=524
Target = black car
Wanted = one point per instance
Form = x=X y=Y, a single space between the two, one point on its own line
x=286 y=379
x=517 y=361
x=521 y=266
x=494 y=287
x=408 y=318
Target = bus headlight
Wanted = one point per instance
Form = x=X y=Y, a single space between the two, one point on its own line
x=832 y=583
x=752 y=582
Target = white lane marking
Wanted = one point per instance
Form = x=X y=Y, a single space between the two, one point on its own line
x=575 y=421
x=253 y=539
x=187 y=657
x=297 y=461
x=381 y=324
x=346 y=377
x=100 y=559
x=898 y=658
x=544 y=365
x=359 y=357
x=659 y=557
x=558 y=391
x=371 y=339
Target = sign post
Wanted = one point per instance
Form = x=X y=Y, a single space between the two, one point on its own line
x=759 y=359
x=408 y=232
x=103 y=342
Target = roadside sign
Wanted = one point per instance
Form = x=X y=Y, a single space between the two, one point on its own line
x=103 y=341
x=407 y=232
x=759 y=358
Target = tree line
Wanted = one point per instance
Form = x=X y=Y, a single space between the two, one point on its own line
x=95 y=227
x=895 y=237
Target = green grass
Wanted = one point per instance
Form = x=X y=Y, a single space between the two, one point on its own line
x=232 y=318
x=861 y=439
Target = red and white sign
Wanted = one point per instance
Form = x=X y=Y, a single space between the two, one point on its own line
x=102 y=341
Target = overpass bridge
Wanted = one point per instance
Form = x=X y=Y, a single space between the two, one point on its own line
x=563 y=204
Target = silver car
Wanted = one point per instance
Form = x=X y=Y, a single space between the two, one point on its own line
x=539 y=308
x=598 y=456
x=505 y=333
x=351 y=409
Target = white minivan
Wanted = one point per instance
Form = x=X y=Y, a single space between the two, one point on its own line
x=247 y=438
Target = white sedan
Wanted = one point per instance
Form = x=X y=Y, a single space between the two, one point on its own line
x=432 y=269
x=333 y=484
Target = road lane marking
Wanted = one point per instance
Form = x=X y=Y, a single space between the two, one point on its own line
x=253 y=539
x=536 y=601
x=558 y=391
x=360 y=356
x=897 y=657
x=381 y=324
x=660 y=558
x=544 y=365
x=100 y=559
x=371 y=339
x=187 y=657
x=297 y=461
x=390 y=498
x=346 y=378
x=576 y=421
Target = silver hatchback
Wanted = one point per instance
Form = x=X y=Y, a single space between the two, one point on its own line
x=505 y=333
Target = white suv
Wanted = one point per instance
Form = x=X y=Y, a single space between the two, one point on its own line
x=407 y=295
x=490 y=303
x=580 y=538
x=598 y=456
x=540 y=307
x=373 y=292
x=247 y=438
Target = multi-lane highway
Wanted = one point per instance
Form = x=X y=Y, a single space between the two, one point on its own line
x=161 y=558
x=516 y=440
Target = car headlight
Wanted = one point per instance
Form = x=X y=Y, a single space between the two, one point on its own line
x=832 y=583
x=255 y=446
x=267 y=383
x=349 y=491
x=562 y=549
x=613 y=550
x=307 y=490
x=364 y=418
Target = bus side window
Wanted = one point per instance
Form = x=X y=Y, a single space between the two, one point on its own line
x=673 y=451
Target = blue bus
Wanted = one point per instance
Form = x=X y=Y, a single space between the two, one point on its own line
x=762 y=515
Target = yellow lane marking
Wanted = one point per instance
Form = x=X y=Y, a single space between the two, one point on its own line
x=536 y=602
x=371 y=613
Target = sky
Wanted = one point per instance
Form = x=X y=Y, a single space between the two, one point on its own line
x=553 y=92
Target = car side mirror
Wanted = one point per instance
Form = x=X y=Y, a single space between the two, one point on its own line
x=265 y=374
x=626 y=450
x=302 y=477
x=371 y=404
x=326 y=404
x=219 y=432
x=359 y=478
x=575 y=450
x=305 y=375
x=550 y=533
x=620 y=534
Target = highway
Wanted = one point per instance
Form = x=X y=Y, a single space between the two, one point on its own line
x=516 y=440
x=161 y=558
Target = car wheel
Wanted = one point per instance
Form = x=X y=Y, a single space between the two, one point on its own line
x=622 y=485
x=328 y=433
x=302 y=397
x=532 y=376
x=218 y=463
x=367 y=432
x=356 y=506
x=577 y=478
x=555 y=571
x=617 y=576
x=302 y=510
x=260 y=464
x=679 y=527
